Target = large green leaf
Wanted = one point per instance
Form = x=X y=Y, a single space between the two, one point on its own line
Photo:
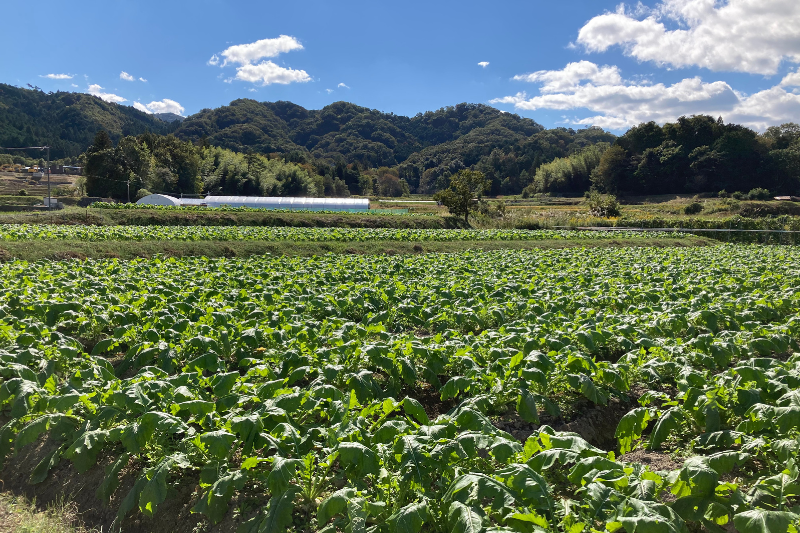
x=668 y=423
x=761 y=521
x=526 y=407
x=464 y=519
x=358 y=457
x=471 y=488
x=334 y=504
x=47 y=463
x=83 y=452
x=279 y=511
x=282 y=473
x=217 y=444
x=214 y=503
x=111 y=481
x=631 y=426
x=409 y=519
x=154 y=490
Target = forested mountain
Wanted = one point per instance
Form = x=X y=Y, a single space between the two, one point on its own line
x=426 y=148
x=347 y=149
x=67 y=122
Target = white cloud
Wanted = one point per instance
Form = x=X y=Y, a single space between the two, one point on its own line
x=517 y=99
x=164 y=106
x=791 y=80
x=752 y=36
x=569 y=76
x=58 y=76
x=96 y=90
x=267 y=73
x=483 y=64
x=342 y=86
x=618 y=104
x=245 y=54
x=142 y=80
x=329 y=91
x=125 y=76
x=74 y=85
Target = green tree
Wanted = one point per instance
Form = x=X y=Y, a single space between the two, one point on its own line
x=466 y=189
x=610 y=174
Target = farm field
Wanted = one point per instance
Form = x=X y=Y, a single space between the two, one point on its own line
x=637 y=390
x=26 y=232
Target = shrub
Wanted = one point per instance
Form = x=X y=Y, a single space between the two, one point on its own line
x=142 y=193
x=603 y=205
x=22 y=192
x=693 y=208
x=723 y=194
x=759 y=194
x=738 y=195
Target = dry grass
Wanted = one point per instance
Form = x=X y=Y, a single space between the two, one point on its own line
x=19 y=515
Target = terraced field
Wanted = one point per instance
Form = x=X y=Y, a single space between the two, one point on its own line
x=641 y=389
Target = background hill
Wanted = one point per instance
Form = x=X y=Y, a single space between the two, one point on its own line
x=67 y=121
x=348 y=149
x=424 y=148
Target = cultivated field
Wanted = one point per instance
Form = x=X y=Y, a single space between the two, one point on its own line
x=26 y=232
x=637 y=390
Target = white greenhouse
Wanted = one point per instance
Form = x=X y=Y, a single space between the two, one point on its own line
x=159 y=199
x=264 y=202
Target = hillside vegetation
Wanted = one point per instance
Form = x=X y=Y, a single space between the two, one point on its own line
x=345 y=149
x=67 y=122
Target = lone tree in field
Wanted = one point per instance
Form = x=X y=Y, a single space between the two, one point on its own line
x=466 y=188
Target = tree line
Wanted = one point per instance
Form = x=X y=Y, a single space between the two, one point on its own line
x=701 y=154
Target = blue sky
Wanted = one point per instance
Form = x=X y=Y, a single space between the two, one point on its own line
x=573 y=62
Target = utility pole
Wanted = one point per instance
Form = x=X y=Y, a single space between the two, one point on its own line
x=49 y=196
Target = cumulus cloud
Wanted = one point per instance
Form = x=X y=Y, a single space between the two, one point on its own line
x=163 y=106
x=561 y=80
x=483 y=64
x=58 y=76
x=125 y=76
x=244 y=54
x=142 y=80
x=342 y=86
x=74 y=85
x=791 y=80
x=329 y=91
x=96 y=90
x=267 y=73
x=752 y=36
x=619 y=104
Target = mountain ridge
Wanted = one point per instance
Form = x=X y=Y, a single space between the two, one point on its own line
x=425 y=148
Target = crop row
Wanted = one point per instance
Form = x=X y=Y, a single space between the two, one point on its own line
x=23 y=232
x=355 y=393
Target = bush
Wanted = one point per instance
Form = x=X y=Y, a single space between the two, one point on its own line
x=723 y=194
x=759 y=194
x=693 y=208
x=22 y=192
x=738 y=195
x=142 y=193
x=603 y=205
